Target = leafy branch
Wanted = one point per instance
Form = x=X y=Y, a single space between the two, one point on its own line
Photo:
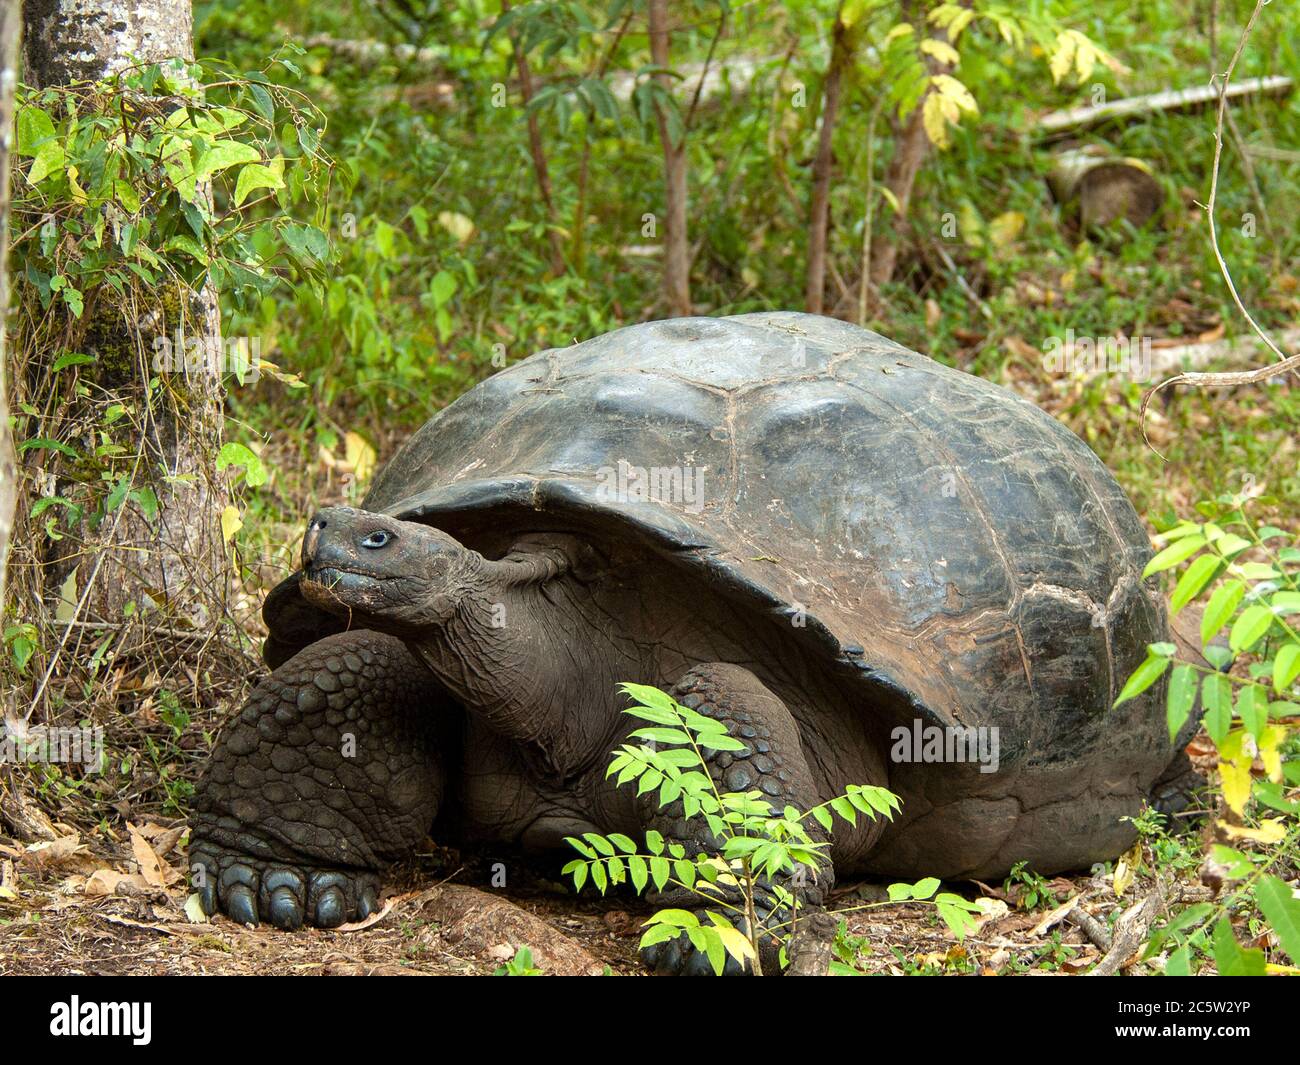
x=758 y=848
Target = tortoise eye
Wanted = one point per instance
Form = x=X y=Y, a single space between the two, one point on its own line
x=376 y=539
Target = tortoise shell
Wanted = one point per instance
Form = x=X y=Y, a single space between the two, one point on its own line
x=936 y=537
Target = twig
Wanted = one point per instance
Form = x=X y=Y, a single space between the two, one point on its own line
x=584 y=165
x=1223 y=380
x=1077 y=118
x=537 y=149
x=708 y=61
x=869 y=208
x=1097 y=933
x=1131 y=931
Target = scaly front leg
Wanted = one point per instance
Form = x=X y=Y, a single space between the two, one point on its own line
x=331 y=772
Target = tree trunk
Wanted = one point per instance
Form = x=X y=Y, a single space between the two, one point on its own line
x=65 y=43
x=173 y=560
x=677 y=255
x=911 y=147
x=823 y=165
x=22 y=817
x=10 y=34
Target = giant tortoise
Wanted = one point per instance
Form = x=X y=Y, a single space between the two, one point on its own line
x=830 y=542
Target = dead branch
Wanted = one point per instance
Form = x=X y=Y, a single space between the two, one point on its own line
x=1172 y=100
x=810 y=945
x=1224 y=380
x=1097 y=933
x=1131 y=932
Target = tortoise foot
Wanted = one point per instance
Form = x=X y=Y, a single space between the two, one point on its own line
x=286 y=895
x=1178 y=795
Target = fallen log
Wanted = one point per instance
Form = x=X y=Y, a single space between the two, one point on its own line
x=1107 y=187
x=1172 y=100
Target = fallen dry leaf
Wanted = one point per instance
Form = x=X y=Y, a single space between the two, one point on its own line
x=8 y=881
x=51 y=853
x=990 y=910
x=152 y=868
x=110 y=882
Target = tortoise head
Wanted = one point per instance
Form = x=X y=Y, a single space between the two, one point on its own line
x=402 y=575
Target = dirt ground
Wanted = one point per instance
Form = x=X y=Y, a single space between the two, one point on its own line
x=78 y=908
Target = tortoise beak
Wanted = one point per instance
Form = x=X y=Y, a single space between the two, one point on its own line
x=311 y=541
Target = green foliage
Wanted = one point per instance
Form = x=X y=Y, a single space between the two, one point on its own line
x=520 y=965
x=132 y=195
x=146 y=180
x=1033 y=889
x=757 y=845
x=1248 y=576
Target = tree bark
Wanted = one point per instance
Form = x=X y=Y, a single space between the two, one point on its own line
x=175 y=560
x=22 y=817
x=677 y=255
x=912 y=145
x=823 y=166
x=10 y=35
x=75 y=40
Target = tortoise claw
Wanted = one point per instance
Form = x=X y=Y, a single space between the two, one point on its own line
x=250 y=890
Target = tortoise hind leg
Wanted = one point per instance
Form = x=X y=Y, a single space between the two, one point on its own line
x=772 y=764
x=331 y=771
x=1176 y=792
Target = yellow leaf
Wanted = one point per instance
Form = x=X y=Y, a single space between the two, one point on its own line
x=231 y=523
x=194 y=910
x=851 y=13
x=67 y=605
x=456 y=224
x=972 y=225
x=1270 y=830
x=1085 y=57
x=932 y=116
x=736 y=944
x=903 y=29
x=943 y=107
x=1004 y=229
x=955 y=17
x=1270 y=751
x=1062 y=55
x=940 y=50
x=360 y=455
x=1124 y=868
x=78 y=193
x=1236 y=784
x=953 y=90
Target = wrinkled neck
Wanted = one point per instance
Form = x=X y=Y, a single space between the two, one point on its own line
x=522 y=652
